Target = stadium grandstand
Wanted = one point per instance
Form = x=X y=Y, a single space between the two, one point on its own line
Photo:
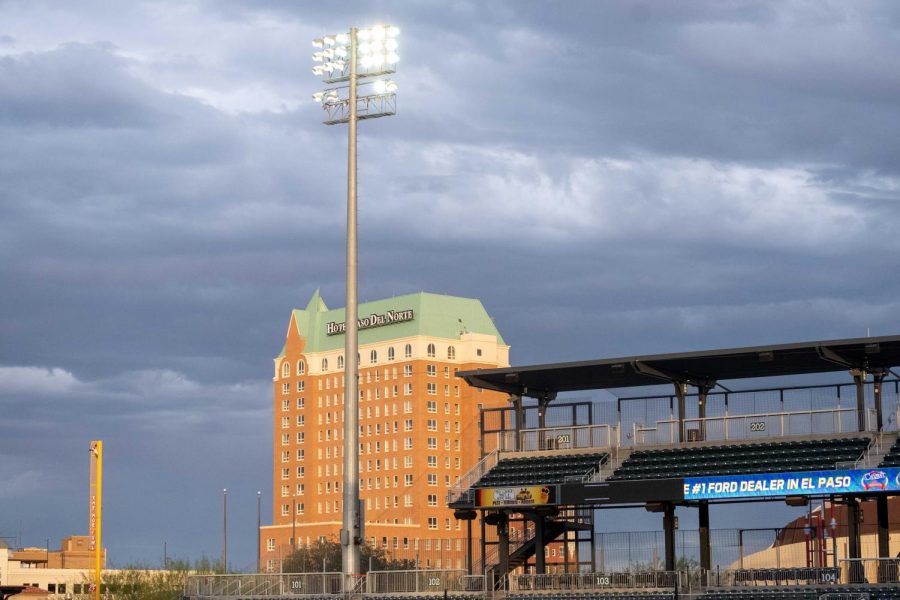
x=553 y=461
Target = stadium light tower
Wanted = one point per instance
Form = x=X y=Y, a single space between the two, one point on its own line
x=345 y=61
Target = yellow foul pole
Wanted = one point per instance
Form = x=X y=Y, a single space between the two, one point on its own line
x=96 y=508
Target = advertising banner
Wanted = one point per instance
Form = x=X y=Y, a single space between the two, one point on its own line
x=804 y=483
x=523 y=495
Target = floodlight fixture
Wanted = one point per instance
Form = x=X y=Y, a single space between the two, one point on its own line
x=358 y=56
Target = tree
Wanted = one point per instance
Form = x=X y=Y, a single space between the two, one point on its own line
x=325 y=555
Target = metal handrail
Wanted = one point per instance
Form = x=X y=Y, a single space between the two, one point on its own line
x=672 y=425
x=463 y=486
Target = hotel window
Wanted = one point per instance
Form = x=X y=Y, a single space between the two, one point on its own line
x=451 y=353
x=285 y=369
x=431 y=406
x=285 y=510
x=301 y=508
x=285 y=473
x=324 y=364
x=447 y=524
x=285 y=439
x=285 y=405
x=408 y=425
x=301 y=453
x=432 y=499
x=373 y=356
x=340 y=362
x=456 y=391
x=431 y=370
x=432 y=443
x=456 y=409
x=431 y=424
x=407 y=462
x=432 y=522
x=285 y=456
x=407 y=407
x=446 y=462
x=407 y=389
x=301 y=402
x=432 y=479
x=301 y=471
x=407 y=370
x=301 y=437
x=407 y=443
x=432 y=461
x=285 y=388
x=301 y=489
x=446 y=372
x=285 y=491
x=457 y=462
x=432 y=388
x=407 y=351
x=301 y=385
x=446 y=443
x=431 y=352
x=446 y=408
x=447 y=391
x=301 y=420
x=408 y=480
x=391 y=353
x=301 y=367
x=446 y=426
x=270 y=544
x=285 y=422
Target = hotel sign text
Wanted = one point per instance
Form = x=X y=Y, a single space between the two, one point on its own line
x=374 y=320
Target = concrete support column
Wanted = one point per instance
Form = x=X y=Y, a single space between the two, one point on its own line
x=857 y=573
x=705 y=552
x=539 y=562
x=859 y=378
x=669 y=529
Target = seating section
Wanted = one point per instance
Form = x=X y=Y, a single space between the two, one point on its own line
x=892 y=458
x=540 y=470
x=593 y=595
x=848 y=592
x=763 y=457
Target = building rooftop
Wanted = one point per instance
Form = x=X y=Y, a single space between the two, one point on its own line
x=433 y=315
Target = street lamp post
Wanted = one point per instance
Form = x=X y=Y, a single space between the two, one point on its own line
x=258 y=531
x=225 y=530
x=359 y=57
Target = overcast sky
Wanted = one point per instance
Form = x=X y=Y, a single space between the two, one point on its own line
x=608 y=177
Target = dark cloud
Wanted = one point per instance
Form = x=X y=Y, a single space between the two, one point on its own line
x=609 y=178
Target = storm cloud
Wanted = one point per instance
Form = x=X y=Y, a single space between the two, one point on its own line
x=609 y=178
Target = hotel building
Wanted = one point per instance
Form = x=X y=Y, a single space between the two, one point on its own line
x=419 y=424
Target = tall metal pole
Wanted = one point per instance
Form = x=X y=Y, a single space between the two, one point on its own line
x=258 y=531
x=349 y=543
x=225 y=530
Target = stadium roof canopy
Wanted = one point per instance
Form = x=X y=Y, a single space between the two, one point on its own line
x=704 y=368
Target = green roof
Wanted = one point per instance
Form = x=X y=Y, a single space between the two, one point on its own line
x=434 y=315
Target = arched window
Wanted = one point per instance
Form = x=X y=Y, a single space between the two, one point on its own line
x=324 y=364
x=407 y=351
x=285 y=369
x=391 y=353
x=373 y=356
x=301 y=367
x=431 y=350
x=340 y=362
x=451 y=352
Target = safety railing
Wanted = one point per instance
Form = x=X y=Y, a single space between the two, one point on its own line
x=264 y=584
x=560 y=438
x=754 y=426
x=594 y=581
x=774 y=576
x=423 y=581
x=462 y=489
x=870 y=570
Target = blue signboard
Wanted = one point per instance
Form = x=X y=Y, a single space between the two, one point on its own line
x=804 y=483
